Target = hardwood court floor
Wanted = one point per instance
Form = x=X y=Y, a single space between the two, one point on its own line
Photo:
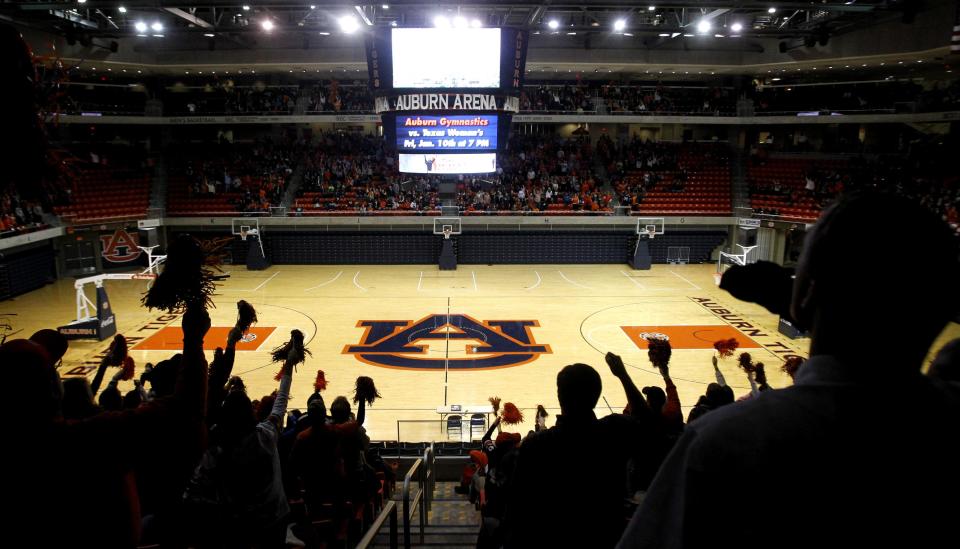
x=540 y=317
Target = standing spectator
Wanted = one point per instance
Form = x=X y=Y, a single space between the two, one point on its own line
x=849 y=472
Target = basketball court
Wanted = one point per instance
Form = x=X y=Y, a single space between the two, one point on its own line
x=433 y=338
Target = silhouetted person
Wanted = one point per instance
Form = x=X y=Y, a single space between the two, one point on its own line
x=570 y=480
x=827 y=462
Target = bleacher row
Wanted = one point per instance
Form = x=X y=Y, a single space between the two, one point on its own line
x=789 y=176
x=102 y=193
x=181 y=202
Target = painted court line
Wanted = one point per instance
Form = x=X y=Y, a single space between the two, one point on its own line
x=262 y=284
x=563 y=276
x=632 y=279
x=331 y=281
x=474 y=280
x=357 y=284
x=685 y=280
x=539 y=280
x=420 y=282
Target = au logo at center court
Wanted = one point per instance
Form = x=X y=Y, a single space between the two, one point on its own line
x=426 y=344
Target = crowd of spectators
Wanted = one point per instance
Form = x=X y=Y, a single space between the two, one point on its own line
x=352 y=172
x=557 y=98
x=228 y=99
x=538 y=172
x=661 y=99
x=882 y=97
x=921 y=177
x=254 y=176
x=17 y=215
x=185 y=455
x=336 y=97
x=249 y=94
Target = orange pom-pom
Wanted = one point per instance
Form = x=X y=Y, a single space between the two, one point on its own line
x=118 y=351
x=726 y=347
x=128 y=367
x=511 y=414
x=746 y=362
x=321 y=383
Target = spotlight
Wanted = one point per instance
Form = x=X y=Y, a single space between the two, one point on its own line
x=619 y=25
x=441 y=22
x=140 y=26
x=209 y=34
x=771 y=10
x=122 y=9
x=554 y=24
x=651 y=8
x=267 y=25
x=703 y=27
x=460 y=22
x=736 y=27
x=157 y=26
x=246 y=8
x=348 y=24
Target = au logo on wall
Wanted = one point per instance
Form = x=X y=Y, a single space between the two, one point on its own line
x=121 y=246
x=455 y=341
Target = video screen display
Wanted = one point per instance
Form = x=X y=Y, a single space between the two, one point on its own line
x=453 y=164
x=446 y=58
x=418 y=133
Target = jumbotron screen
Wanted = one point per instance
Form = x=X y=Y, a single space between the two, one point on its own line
x=446 y=58
x=448 y=164
x=425 y=133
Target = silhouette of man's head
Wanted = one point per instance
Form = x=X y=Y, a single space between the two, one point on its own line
x=578 y=388
x=32 y=380
x=340 y=410
x=237 y=416
x=877 y=262
x=316 y=409
x=656 y=398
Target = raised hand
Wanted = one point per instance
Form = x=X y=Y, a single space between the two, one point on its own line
x=616 y=365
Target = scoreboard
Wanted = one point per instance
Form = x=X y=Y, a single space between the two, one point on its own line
x=445 y=109
x=425 y=133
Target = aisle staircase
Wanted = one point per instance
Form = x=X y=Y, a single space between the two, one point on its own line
x=436 y=516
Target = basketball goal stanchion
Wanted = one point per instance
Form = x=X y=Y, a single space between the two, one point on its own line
x=647 y=229
x=101 y=323
x=447 y=227
x=248 y=229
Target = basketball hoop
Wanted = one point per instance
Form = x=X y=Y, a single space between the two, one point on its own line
x=651 y=232
x=447 y=231
x=243 y=236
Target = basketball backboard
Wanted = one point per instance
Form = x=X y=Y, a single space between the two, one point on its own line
x=647 y=224
x=442 y=225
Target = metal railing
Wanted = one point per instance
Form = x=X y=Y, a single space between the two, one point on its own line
x=424 y=467
x=389 y=512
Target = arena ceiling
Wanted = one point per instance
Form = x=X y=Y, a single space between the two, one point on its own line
x=588 y=37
